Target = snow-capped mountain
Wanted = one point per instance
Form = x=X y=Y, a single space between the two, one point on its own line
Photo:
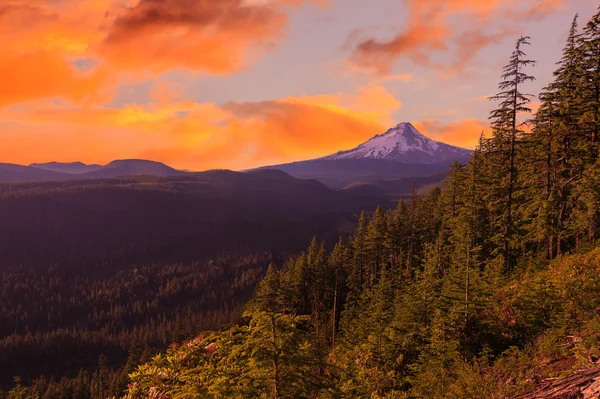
x=404 y=143
x=401 y=152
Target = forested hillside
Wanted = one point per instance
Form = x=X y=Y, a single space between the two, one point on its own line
x=72 y=333
x=148 y=219
x=98 y=275
x=482 y=289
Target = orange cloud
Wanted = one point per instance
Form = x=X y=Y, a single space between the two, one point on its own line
x=434 y=28
x=404 y=78
x=40 y=40
x=540 y=10
x=44 y=74
x=190 y=135
x=417 y=42
x=481 y=98
x=217 y=37
x=449 y=112
x=463 y=133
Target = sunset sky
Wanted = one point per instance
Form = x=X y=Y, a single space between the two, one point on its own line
x=202 y=84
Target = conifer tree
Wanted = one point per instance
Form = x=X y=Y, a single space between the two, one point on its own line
x=589 y=90
x=397 y=239
x=336 y=262
x=588 y=93
x=412 y=229
x=375 y=244
x=507 y=135
x=268 y=294
x=359 y=246
x=553 y=164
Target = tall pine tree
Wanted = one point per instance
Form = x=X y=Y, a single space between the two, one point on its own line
x=506 y=139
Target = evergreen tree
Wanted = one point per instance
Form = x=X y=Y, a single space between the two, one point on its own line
x=587 y=192
x=336 y=263
x=553 y=155
x=268 y=295
x=377 y=253
x=507 y=135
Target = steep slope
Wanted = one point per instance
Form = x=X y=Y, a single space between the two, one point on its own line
x=404 y=143
x=582 y=385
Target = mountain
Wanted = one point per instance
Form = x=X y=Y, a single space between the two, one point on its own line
x=404 y=143
x=133 y=167
x=401 y=152
x=79 y=171
x=67 y=167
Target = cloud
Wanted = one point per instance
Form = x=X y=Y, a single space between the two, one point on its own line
x=44 y=75
x=449 y=112
x=216 y=37
x=463 y=133
x=434 y=36
x=192 y=135
x=481 y=98
x=540 y=10
x=74 y=49
x=404 y=78
x=41 y=43
x=416 y=43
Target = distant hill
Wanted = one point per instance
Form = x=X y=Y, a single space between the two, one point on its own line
x=154 y=219
x=77 y=170
x=69 y=167
x=133 y=167
x=11 y=173
x=341 y=173
x=401 y=187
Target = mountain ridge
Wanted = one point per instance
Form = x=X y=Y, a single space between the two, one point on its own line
x=67 y=167
x=401 y=152
x=53 y=171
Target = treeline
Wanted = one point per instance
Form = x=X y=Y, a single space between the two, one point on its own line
x=478 y=290
x=67 y=333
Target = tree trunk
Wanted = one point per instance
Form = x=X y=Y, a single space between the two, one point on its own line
x=275 y=361
x=333 y=317
x=467 y=285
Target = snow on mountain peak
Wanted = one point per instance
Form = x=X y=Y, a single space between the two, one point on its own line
x=403 y=143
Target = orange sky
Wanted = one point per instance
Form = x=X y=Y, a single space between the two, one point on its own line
x=240 y=83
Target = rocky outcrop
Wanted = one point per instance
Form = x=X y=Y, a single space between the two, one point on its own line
x=582 y=385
